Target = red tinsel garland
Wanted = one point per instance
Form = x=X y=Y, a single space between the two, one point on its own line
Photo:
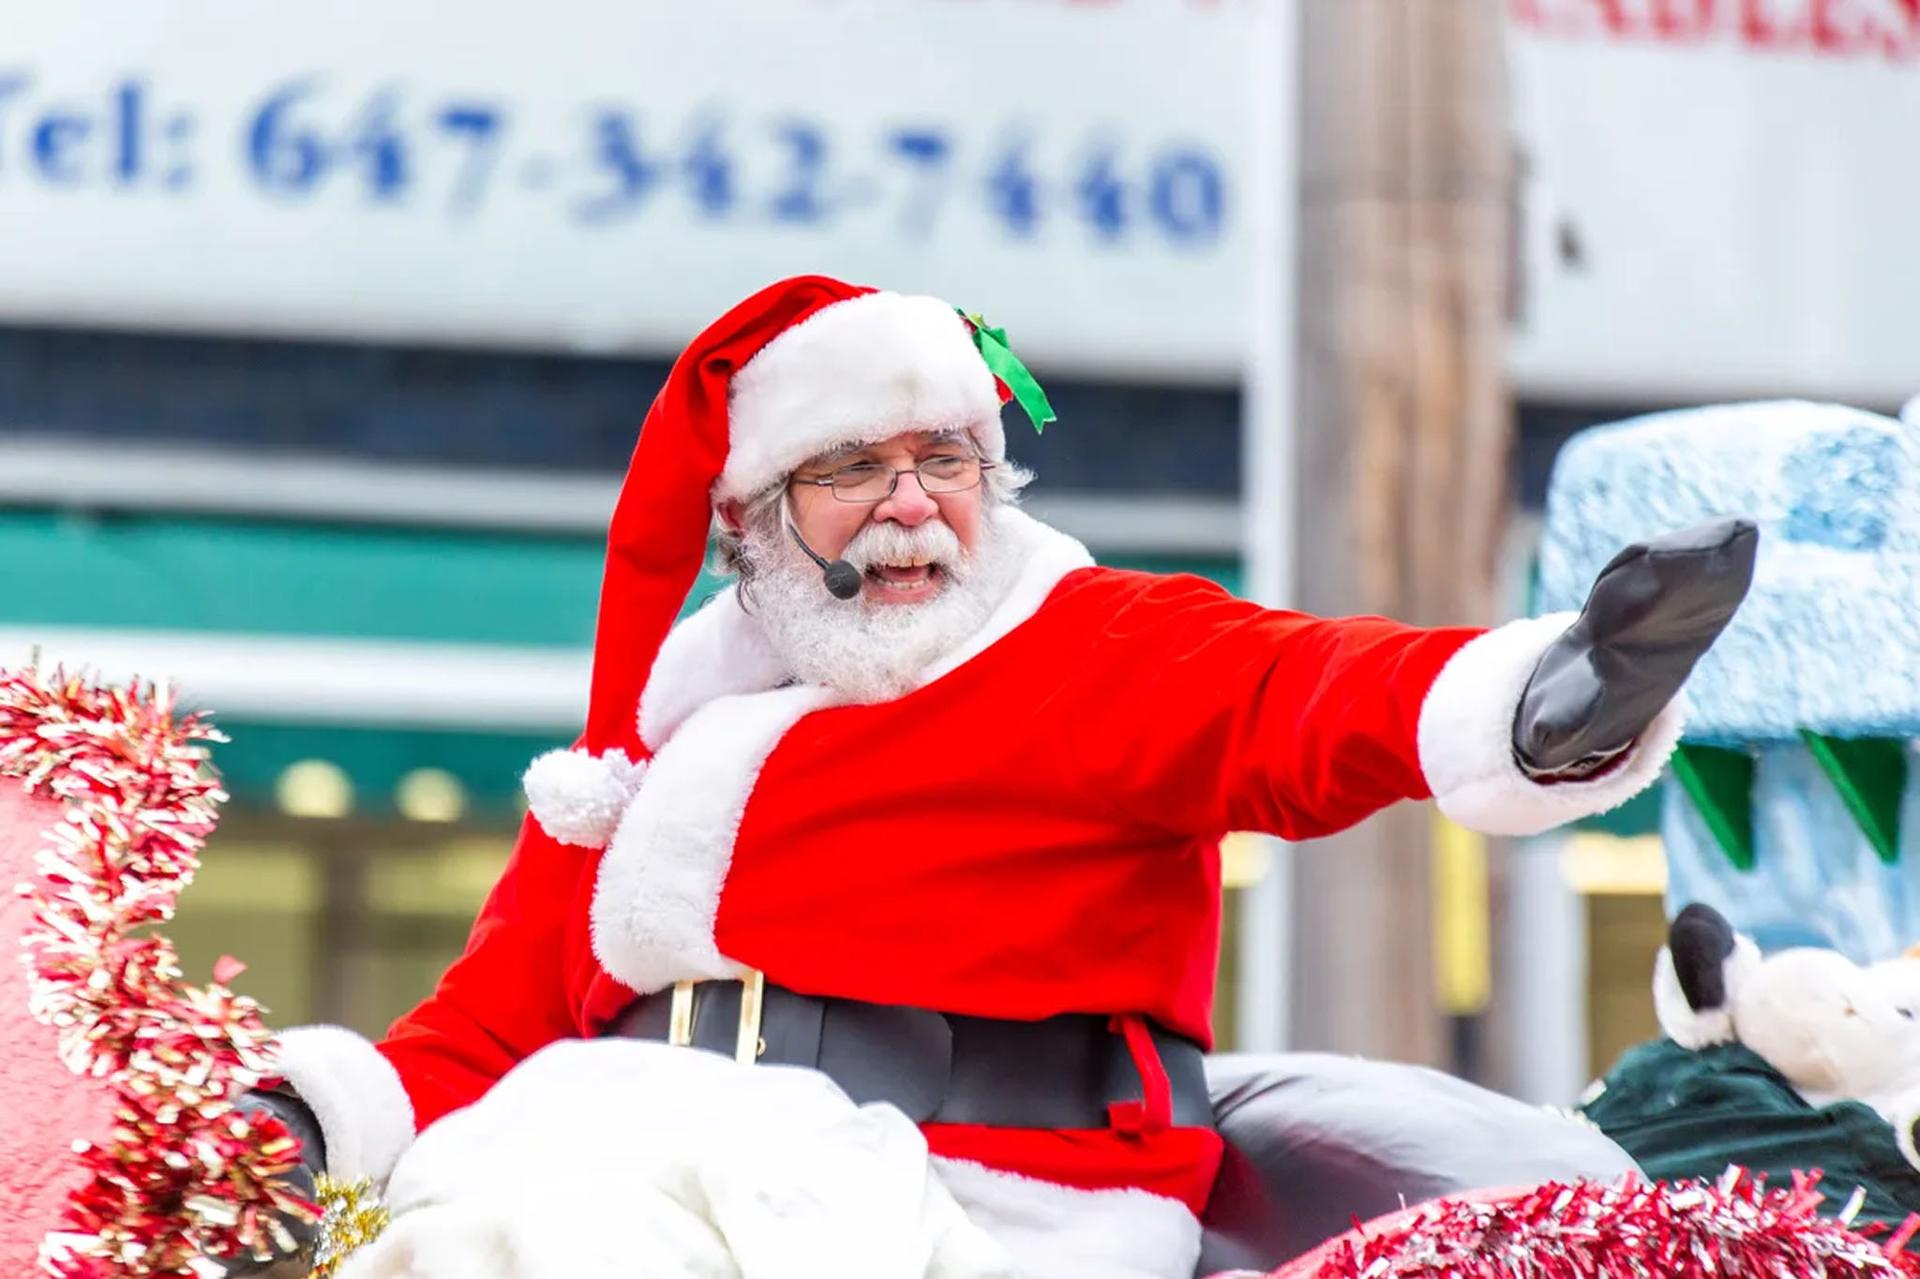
x=1631 y=1229
x=181 y=1176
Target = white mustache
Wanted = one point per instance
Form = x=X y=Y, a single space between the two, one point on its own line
x=933 y=541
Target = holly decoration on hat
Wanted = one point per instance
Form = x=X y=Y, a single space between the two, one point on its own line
x=1018 y=383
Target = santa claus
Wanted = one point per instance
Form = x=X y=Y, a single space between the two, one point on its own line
x=931 y=804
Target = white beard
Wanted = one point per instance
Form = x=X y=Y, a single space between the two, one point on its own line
x=870 y=652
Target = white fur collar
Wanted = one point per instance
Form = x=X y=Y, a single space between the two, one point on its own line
x=715 y=708
x=1047 y=555
x=719 y=651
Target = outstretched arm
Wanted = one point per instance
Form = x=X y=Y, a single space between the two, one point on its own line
x=1257 y=719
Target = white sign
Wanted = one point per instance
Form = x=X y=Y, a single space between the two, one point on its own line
x=1725 y=196
x=610 y=175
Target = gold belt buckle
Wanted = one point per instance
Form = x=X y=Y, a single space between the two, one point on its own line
x=680 y=1018
x=747 y=1044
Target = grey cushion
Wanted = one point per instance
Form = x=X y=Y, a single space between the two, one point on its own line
x=1315 y=1141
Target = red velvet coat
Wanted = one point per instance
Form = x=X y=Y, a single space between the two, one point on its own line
x=1035 y=832
x=1034 y=829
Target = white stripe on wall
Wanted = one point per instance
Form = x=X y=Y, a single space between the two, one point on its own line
x=43 y=471
x=319 y=680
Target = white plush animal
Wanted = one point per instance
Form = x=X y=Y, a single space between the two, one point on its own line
x=1836 y=1029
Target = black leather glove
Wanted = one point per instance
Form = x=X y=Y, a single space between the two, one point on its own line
x=300 y=1121
x=1654 y=609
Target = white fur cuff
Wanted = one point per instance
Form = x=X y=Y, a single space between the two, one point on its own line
x=364 y=1112
x=1466 y=740
x=1060 y=1232
x=579 y=798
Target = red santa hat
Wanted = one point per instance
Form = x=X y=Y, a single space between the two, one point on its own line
x=800 y=368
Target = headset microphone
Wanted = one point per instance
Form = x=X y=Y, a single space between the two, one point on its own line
x=842 y=578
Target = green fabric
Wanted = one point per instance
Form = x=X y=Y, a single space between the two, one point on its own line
x=1684 y=1114
x=1720 y=784
x=1871 y=774
x=1005 y=365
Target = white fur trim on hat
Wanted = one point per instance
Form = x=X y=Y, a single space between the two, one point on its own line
x=365 y=1115
x=1466 y=740
x=1061 y=1232
x=856 y=372
x=1693 y=1028
x=579 y=798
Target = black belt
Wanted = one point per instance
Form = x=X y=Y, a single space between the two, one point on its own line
x=1062 y=1072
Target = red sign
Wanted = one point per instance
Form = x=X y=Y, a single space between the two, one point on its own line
x=1842 y=28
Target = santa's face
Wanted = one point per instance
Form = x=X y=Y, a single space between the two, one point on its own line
x=897 y=571
x=932 y=565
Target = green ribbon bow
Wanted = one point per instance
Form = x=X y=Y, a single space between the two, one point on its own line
x=1005 y=365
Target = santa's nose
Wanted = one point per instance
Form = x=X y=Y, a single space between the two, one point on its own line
x=909 y=504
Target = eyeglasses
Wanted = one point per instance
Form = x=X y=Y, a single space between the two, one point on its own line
x=867 y=483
